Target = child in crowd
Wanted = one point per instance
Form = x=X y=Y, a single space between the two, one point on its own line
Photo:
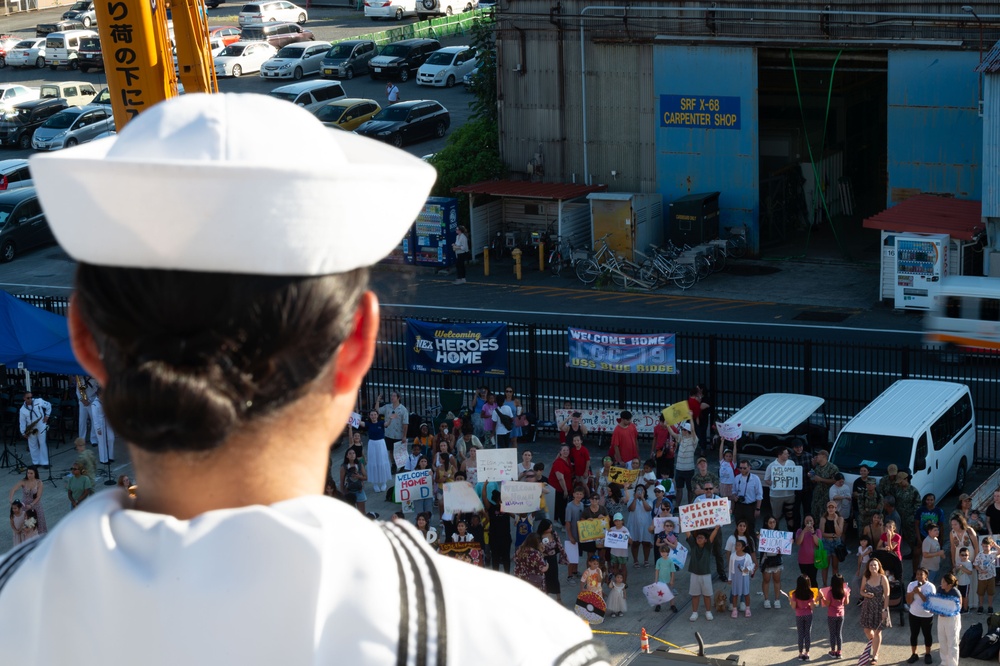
x=771 y=566
x=665 y=570
x=666 y=537
x=619 y=556
x=462 y=534
x=864 y=554
x=932 y=552
x=963 y=575
x=648 y=476
x=592 y=578
x=835 y=598
x=522 y=528
x=986 y=569
x=727 y=470
x=976 y=521
x=741 y=565
x=803 y=603
x=617 y=605
x=700 y=566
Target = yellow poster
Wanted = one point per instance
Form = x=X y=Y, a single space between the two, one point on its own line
x=625 y=477
x=677 y=412
x=593 y=529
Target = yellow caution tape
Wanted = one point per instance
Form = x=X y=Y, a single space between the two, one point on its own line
x=648 y=635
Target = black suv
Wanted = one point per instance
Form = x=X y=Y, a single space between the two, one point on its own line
x=407 y=122
x=89 y=55
x=22 y=223
x=400 y=59
x=17 y=128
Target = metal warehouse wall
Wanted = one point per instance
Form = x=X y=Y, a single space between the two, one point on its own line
x=935 y=132
x=991 y=145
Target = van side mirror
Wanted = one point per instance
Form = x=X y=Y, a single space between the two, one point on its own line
x=920 y=463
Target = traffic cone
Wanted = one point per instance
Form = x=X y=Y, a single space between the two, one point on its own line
x=644 y=642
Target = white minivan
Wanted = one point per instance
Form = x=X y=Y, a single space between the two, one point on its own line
x=62 y=48
x=927 y=427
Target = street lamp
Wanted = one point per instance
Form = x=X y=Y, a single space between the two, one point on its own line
x=969 y=9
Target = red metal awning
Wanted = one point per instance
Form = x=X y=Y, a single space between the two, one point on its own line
x=528 y=190
x=932 y=214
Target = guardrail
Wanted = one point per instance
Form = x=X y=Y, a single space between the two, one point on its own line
x=444 y=26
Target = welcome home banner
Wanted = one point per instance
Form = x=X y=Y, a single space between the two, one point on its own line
x=634 y=354
x=458 y=349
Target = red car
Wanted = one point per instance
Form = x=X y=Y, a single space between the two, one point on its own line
x=227 y=33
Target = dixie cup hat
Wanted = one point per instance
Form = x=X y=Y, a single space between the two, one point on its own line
x=200 y=183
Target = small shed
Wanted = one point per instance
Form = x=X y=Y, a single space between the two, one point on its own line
x=929 y=214
x=521 y=208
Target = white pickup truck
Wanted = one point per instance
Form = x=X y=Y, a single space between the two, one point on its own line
x=14 y=94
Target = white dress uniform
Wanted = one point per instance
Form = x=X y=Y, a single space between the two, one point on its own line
x=105 y=435
x=90 y=387
x=305 y=581
x=37 y=446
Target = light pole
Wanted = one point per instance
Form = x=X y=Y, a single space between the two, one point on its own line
x=969 y=9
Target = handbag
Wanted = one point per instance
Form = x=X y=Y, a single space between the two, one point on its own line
x=841 y=552
x=820 y=557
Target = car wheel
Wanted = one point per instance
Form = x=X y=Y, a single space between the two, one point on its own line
x=399 y=14
x=24 y=141
x=237 y=71
x=71 y=142
x=450 y=82
x=86 y=22
x=439 y=130
x=468 y=7
x=7 y=251
x=349 y=73
x=960 y=477
x=3 y=62
x=397 y=140
x=74 y=65
x=428 y=4
x=404 y=75
x=297 y=74
x=40 y=62
x=449 y=11
x=301 y=20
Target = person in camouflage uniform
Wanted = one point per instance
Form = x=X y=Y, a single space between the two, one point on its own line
x=869 y=502
x=907 y=501
x=887 y=484
x=703 y=477
x=822 y=475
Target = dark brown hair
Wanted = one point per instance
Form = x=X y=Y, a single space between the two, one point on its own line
x=192 y=356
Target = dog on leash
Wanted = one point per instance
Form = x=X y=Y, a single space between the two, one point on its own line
x=720 y=602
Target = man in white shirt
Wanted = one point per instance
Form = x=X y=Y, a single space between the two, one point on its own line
x=747 y=497
x=34 y=420
x=782 y=500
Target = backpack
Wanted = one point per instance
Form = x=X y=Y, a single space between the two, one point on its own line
x=988 y=647
x=969 y=640
x=507 y=421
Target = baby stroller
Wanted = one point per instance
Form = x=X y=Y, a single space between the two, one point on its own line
x=893 y=568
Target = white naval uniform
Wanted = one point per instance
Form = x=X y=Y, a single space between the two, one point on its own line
x=105 y=435
x=90 y=387
x=305 y=581
x=37 y=446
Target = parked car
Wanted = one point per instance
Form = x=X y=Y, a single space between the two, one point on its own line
x=428 y=8
x=27 y=53
x=7 y=43
x=76 y=93
x=13 y=94
x=243 y=58
x=77 y=124
x=89 y=56
x=470 y=78
x=400 y=59
x=274 y=10
x=227 y=33
x=22 y=223
x=62 y=25
x=17 y=128
x=276 y=34
x=62 y=49
x=446 y=66
x=348 y=113
x=310 y=94
x=295 y=61
x=396 y=9
x=407 y=122
x=345 y=59
x=82 y=11
x=14 y=174
x=103 y=98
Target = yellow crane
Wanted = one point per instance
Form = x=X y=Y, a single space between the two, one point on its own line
x=138 y=55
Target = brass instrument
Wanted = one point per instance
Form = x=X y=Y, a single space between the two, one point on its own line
x=81 y=387
x=31 y=428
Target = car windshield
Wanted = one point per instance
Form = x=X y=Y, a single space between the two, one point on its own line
x=5 y=211
x=392 y=113
x=250 y=8
x=80 y=6
x=339 y=51
x=233 y=50
x=24 y=115
x=395 y=50
x=25 y=45
x=330 y=114
x=438 y=58
x=876 y=451
x=288 y=97
x=60 y=120
x=293 y=52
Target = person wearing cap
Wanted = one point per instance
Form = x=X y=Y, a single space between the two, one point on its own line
x=821 y=476
x=594 y=510
x=908 y=504
x=802 y=505
x=887 y=484
x=624 y=441
x=869 y=503
x=684 y=462
x=231 y=328
x=703 y=476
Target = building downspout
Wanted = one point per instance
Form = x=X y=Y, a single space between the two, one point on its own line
x=553 y=13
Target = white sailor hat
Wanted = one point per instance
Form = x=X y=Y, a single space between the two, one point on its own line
x=231 y=183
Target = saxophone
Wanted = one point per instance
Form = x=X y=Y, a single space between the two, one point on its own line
x=32 y=428
x=81 y=387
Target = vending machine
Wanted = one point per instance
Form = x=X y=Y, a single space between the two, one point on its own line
x=921 y=262
x=434 y=232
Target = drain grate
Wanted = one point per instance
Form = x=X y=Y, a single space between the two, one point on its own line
x=818 y=315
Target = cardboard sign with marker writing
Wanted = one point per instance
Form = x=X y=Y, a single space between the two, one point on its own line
x=704 y=515
x=496 y=465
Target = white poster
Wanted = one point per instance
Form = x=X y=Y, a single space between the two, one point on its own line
x=679 y=556
x=415 y=485
x=729 y=431
x=461 y=497
x=787 y=477
x=354 y=420
x=704 y=515
x=496 y=465
x=776 y=541
x=615 y=539
x=520 y=496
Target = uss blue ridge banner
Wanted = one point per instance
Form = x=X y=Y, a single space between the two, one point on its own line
x=460 y=349
x=627 y=353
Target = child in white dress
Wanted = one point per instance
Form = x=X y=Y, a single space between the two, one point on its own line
x=617 y=605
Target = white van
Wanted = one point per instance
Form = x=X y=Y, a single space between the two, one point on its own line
x=927 y=427
x=76 y=93
x=62 y=48
x=310 y=95
x=965 y=314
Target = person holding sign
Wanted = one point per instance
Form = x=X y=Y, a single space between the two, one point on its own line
x=700 y=567
x=950 y=626
x=619 y=553
x=782 y=499
x=771 y=567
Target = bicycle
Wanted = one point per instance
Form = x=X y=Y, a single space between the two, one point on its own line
x=736 y=244
x=698 y=259
x=623 y=272
x=659 y=268
x=564 y=254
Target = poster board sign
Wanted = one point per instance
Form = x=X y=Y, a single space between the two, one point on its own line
x=679 y=556
x=496 y=465
x=776 y=541
x=660 y=521
x=461 y=497
x=471 y=552
x=786 y=477
x=399 y=454
x=413 y=486
x=616 y=540
x=657 y=594
x=677 y=412
x=704 y=515
x=605 y=420
x=592 y=529
x=520 y=496
x=624 y=477
x=354 y=420
x=729 y=431
x=941 y=604
x=633 y=354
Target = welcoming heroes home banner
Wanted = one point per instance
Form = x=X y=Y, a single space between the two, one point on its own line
x=460 y=349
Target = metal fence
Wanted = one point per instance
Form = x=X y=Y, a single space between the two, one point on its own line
x=736 y=369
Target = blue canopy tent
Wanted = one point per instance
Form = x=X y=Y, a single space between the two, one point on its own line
x=35 y=337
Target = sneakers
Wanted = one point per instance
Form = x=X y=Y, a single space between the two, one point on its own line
x=767 y=603
x=674 y=608
x=777 y=603
x=743 y=606
x=990 y=610
x=746 y=613
x=928 y=659
x=709 y=616
x=980 y=610
x=913 y=659
x=657 y=609
x=735 y=613
x=694 y=616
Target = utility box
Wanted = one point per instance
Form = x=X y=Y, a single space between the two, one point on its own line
x=694 y=219
x=634 y=221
